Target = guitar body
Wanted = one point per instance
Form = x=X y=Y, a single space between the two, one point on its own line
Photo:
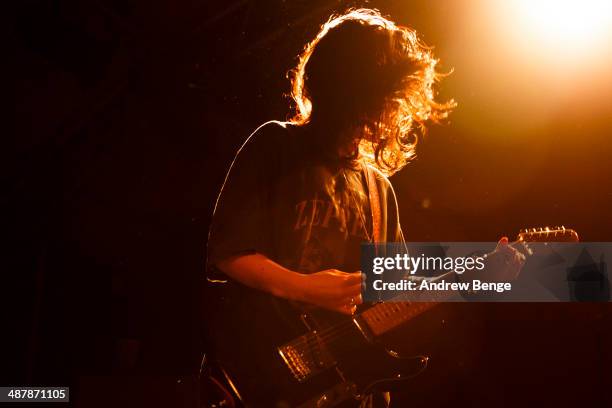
x=249 y=329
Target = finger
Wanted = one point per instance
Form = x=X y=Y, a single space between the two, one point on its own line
x=351 y=291
x=517 y=264
x=520 y=260
x=352 y=279
x=353 y=300
x=503 y=242
x=512 y=266
x=508 y=251
x=348 y=297
x=346 y=309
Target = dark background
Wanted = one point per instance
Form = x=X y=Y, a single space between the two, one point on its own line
x=126 y=114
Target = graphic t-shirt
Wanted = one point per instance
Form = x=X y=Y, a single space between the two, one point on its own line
x=280 y=199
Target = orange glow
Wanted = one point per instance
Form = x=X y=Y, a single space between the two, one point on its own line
x=574 y=33
x=566 y=25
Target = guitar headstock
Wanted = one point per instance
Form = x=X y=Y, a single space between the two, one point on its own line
x=548 y=234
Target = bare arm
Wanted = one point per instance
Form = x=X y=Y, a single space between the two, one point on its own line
x=331 y=289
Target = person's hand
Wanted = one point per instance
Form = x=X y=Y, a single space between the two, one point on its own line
x=333 y=290
x=504 y=264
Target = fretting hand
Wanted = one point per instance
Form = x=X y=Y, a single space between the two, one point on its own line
x=504 y=264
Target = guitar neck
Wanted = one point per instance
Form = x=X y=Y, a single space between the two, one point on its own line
x=384 y=317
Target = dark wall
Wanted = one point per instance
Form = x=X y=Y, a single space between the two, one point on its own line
x=126 y=115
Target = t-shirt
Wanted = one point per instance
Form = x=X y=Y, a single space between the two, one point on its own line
x=281 y=199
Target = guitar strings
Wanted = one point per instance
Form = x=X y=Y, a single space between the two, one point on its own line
x=333 y=332
x=327 y=334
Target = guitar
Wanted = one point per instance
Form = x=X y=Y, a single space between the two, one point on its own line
x=274 y=353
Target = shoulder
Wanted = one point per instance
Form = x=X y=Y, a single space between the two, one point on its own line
x=259 y=153
x=266 y=138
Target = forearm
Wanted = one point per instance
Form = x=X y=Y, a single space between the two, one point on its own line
x=259 y=272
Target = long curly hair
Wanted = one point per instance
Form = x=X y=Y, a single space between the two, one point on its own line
x=364 y=75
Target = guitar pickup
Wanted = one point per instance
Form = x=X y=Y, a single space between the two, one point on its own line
x=306 y=356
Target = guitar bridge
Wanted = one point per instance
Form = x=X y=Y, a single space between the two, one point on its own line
x=306 y=356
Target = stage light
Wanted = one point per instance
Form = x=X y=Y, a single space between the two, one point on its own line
x=569 y=27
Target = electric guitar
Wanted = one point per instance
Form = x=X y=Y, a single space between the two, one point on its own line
x=275 y=354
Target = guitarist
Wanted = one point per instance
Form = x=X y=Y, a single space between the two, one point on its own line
x=295 y=205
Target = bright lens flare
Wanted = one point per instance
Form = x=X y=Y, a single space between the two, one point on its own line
x=566 y=25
